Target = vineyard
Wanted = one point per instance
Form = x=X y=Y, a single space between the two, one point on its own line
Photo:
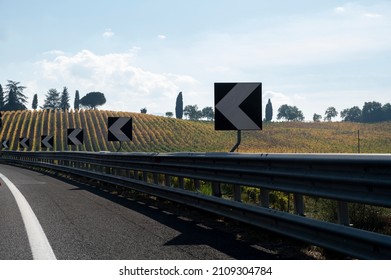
x=161 y=134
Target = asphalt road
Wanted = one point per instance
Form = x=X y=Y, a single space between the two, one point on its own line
x=82 y=222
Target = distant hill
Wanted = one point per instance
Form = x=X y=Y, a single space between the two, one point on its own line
x=162 y=134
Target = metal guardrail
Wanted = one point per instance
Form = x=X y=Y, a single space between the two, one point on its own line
x=362 y=179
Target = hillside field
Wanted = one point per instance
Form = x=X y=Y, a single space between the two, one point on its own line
x=162 y=134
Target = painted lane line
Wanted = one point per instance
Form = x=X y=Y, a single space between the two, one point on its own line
x=39 y=243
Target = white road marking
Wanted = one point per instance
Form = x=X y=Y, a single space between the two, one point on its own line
x=39 y=243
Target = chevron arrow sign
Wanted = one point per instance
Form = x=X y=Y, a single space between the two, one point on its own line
x=47 y=141
x=4 y=142
x=119 y=129
x=238 y=106
x=75 y=136
x=24 y=143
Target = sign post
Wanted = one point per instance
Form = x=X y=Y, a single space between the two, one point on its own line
x=238 y=106
x=24 y=143
x=75 y=136
x=119 y=129
x=4 y=144
x=239 y=140
x=47 y=142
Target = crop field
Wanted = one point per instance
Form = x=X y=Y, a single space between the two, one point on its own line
x=161 y=134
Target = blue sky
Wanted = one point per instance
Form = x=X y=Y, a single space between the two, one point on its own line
x=141 y=53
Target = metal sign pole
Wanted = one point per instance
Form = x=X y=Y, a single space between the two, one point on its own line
x=120 y=146
x=239 y=139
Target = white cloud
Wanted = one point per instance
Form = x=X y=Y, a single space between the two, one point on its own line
x=54 y=53
x=108 y=33
x=373 y=15
x=353 y=10
x=277 y=99
x=339 y=10
x=294 y=58
x=127 y=86
x=323 y=38
x=299 y=97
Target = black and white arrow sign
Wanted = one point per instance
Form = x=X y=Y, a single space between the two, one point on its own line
x=4 y=142
x=24 y=143
x=119 y=129
x=238 y=106
x=47 y=141
x=75 y=136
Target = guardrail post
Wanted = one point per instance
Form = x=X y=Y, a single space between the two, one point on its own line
x=264 y=198
x=299 y=204
x=343 y=213
x=145 y=176
x=216 y=190
x=167 y=180
x=156 y=178
x=237 y=193
x=197 y=184
x=181 y=182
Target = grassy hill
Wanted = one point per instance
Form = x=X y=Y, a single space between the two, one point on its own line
x=161 y=134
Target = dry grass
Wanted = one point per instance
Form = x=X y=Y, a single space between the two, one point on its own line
x=161 y=134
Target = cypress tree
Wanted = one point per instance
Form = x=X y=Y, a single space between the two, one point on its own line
x=1 y=98
x=76 y=105
x=179 y=106
x=269 y=111
x=34 y=105
x=64 y=104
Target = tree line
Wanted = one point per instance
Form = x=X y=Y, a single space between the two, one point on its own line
x=371 y=112
x=13 y=99
x=191 y=112
x=287 y=112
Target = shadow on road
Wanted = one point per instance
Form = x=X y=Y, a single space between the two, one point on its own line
x=231 y=238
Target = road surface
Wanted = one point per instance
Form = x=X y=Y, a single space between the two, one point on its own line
x=75 y=221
